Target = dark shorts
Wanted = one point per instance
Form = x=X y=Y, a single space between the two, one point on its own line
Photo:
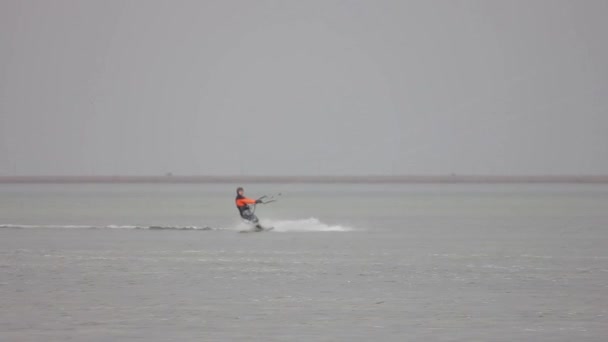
x=249 y=216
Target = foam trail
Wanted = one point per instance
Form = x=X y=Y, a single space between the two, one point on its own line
x=304 y=225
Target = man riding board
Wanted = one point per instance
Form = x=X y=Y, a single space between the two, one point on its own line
x=242 y=204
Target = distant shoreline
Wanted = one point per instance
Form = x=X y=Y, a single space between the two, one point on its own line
x=373 y=179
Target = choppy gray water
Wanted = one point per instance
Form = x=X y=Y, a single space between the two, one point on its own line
x=347 y=262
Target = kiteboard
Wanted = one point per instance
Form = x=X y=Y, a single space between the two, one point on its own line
x=254 y=230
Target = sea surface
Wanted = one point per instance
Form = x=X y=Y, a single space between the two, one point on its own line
x=348 y=262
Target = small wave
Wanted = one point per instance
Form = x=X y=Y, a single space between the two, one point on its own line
x=180 y=228
x=304 y=225
x=112 y=226
x=33 y=226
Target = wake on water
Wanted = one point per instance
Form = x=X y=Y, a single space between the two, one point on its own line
x=302 y=225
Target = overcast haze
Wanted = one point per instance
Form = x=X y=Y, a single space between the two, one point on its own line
x=303 y=87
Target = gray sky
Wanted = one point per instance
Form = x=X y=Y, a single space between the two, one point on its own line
x=303 y=87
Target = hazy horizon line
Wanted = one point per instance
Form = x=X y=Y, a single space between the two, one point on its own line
x=353 y=179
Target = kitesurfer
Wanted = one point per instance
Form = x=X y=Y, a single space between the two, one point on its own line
x=242 y=204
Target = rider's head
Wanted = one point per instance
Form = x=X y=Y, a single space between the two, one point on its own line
x=240 y=191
